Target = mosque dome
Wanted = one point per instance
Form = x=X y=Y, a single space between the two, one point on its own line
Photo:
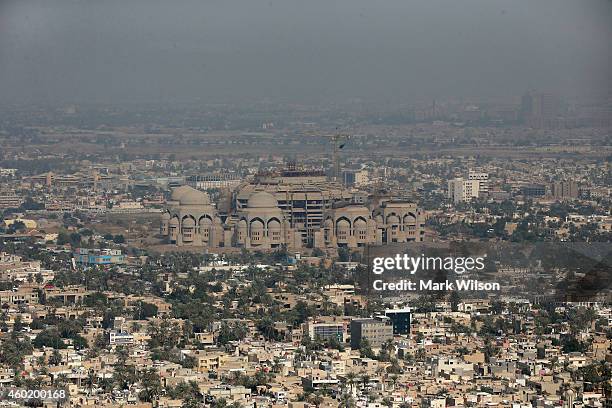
x=261 y=199
x=194 y=197
x=178 y=192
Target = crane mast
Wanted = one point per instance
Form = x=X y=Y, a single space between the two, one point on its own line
x=337 y=139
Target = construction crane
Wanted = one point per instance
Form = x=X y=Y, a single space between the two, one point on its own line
x=339 y=140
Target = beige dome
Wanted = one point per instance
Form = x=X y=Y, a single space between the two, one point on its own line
x=262 y=199
x=194 y=197
x=165 y=216
x=178 y=192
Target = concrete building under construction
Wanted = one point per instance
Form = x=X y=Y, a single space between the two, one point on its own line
x=293 y=208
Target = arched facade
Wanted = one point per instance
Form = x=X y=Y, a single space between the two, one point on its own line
x=191 y=219
x=399 y=221
x=261 y=223
x=350 y=226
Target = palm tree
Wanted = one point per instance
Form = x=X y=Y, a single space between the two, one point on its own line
x=394 y=379
x=266 y=327
x=151 y=384
x=56 y=358
x=90 y=380
x=350 y=378
x=380 y=372
x=365 y=379
x=316 y=399
x=342 y=383
x=347 y=401
x=42 y=364
x=220 y=403
x=61 y=380
x=276 y=366
x=388 y=346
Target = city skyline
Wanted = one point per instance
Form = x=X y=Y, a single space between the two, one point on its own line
x=306 y=203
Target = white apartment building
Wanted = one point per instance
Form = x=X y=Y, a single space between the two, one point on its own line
x=120 y=338
x=483 y=180
x=460 y=190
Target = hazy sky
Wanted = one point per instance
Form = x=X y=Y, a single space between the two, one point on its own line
x=302 y=50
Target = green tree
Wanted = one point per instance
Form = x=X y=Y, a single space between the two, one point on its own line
x=18 y=324
x=267 y=329
x=56 y=358
x=145 y=310
x=454 y=300
x=49 y=338
x=351 y=379
x=365 y=350
x=151 y=384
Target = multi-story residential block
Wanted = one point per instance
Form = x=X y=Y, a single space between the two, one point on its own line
x=119 y=338
x=10 y=200
x=461 y=190
x=483 y=181
x=325 y=329
x=376 y=331
x=564 y=190
x=354 y=177
x=205 y=182
x=534 y=190
x=23 y=296
x=88 y=256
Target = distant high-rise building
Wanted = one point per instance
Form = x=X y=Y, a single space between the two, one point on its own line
x=354 y=177
x=483 y=181
x=10 y=200
x=564 y=189
x=460 y=189
x=539 y=109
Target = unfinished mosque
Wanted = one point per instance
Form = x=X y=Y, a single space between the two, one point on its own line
x=292 y=208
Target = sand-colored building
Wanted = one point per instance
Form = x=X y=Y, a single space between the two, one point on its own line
x=288 y=211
